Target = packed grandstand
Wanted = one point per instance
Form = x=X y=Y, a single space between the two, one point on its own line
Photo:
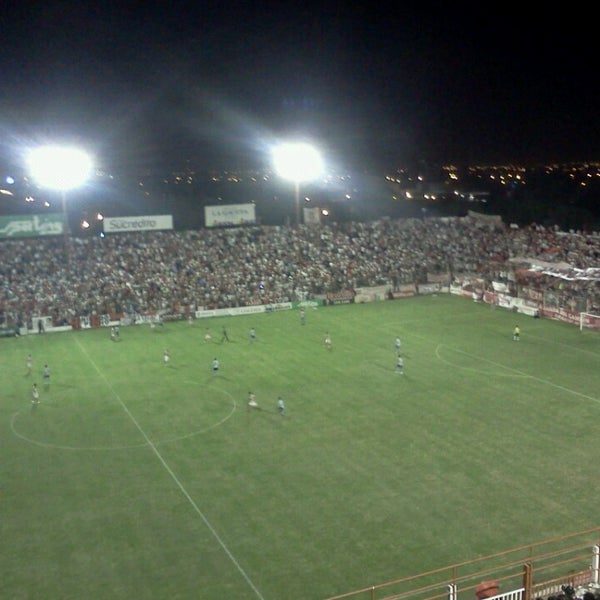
x=180 y=272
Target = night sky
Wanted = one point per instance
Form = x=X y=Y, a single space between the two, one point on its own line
x=378 y=84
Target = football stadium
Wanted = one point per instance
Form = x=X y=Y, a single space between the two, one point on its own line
x=222 y=413
x=298 y=302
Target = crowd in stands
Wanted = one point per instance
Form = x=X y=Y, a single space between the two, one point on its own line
x=215 y=268
x=570 y=593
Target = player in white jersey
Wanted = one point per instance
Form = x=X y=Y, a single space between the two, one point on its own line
x=46 y=375
x=35 y=395
x=252 y=403
x=400 y=365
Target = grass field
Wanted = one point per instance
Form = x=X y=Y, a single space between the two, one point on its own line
x=137 y=480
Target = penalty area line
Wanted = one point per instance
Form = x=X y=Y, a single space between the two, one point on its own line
x=539 y=379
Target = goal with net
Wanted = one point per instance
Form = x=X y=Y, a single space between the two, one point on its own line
x=589 y=321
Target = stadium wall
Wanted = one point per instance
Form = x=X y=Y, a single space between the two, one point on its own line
x=531 y=302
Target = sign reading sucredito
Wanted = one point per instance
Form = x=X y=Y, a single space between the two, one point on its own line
x=125 y=224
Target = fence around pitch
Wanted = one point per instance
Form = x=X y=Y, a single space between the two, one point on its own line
x=526 y=572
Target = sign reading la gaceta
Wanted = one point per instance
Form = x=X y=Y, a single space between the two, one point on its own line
x=229 y=214
x=148 y=223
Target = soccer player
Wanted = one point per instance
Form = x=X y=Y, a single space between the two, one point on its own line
x=224 y=336
x=516 y=333
x=281 y=406
x=252 y=403
x=28 y=365
x=302 y=317
x=400 y=365
x=252 y=335
x=215 y=366
x=46 y=375
x=328 y=342
x=35 y=395
x=207 y=336
x=166 y=357
x=397 y=343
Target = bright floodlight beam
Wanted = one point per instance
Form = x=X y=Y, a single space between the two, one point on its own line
x=60 y=168
x=298 y=162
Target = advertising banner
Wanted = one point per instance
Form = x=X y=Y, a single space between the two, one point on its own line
x=343 y=297
x=308 y=303
x=230 y=214
x=312 y=215
x=242 y=310
x=9 y=331
x=31 y=226
x=125 y=224
x=428 y=288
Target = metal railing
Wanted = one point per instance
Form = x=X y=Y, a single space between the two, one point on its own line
x=525 y=572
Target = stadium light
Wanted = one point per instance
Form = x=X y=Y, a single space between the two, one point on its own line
x=298 y=162
x=61 y=168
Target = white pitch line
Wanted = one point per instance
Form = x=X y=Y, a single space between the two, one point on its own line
x=174 y=477
x=179 y=438
x=564 y=344
x=13 y=428
x=544 y=381
x=473 y=369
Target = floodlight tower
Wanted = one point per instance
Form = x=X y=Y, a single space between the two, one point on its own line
x=298 y=162
x=61 y=168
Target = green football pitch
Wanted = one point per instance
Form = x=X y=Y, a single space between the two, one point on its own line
x=136 y=479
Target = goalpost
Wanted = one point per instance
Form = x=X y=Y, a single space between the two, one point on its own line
x=589 y=321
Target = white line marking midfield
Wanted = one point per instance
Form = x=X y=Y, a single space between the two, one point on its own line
x=174 y=477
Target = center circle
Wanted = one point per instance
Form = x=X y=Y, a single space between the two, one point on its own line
x=66 y=422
